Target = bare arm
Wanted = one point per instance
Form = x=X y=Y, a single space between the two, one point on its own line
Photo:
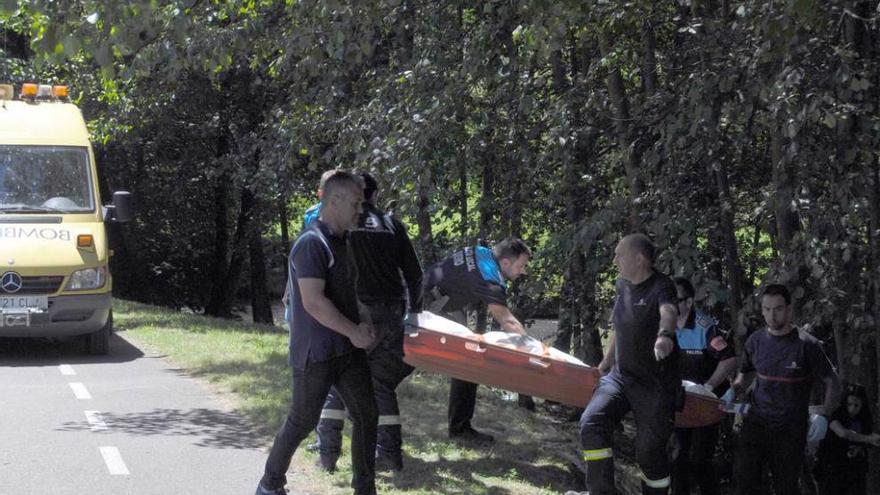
x=505 y=318
x=832 y=394
x=722 y=371
x=663 y=344
x=668 y=317
x=847 y=434
x=322 y=309
x=742 y=382
x=608 y=361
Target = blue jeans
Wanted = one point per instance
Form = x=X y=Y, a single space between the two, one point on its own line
x=350 y=375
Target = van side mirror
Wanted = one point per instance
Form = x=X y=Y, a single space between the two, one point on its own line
x=121 y=209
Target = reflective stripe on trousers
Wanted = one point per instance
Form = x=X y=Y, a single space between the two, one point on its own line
x=661 y=483
x=597 y=454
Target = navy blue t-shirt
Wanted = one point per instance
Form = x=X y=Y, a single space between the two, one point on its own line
x=636 y=322
x=786 y=368
x=702 y=346
x=469 y=276
x=318 y=253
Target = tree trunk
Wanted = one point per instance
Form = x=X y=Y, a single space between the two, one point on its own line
x=787 y=221
x=649 y=59
x=463 y=199
x=423 y=216
x=625 y=139
x=261 y=308
x=217 y=303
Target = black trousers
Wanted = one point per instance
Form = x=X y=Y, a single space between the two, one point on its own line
x=462 y=394
x=694 y=462
x=388 y=370
x=780 y=448
x=350 y=374
x=653 y=407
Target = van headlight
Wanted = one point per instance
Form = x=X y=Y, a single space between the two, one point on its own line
x=87 y=278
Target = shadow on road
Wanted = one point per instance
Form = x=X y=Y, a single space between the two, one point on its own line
x=208 y=427
x=70 y=350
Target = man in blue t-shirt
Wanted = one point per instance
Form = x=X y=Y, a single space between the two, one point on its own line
x=469 y=276
x=783 y=363
x=707 y=359
x=327 y=340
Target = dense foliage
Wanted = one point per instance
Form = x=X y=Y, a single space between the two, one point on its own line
x=743 y=136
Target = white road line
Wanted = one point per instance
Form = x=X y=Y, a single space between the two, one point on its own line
x=96 y=422
x=66 y=369
x=80 y=391
x=113 y=460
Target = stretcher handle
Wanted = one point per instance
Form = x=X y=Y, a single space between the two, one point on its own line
x=479 y=346
x=543 y=361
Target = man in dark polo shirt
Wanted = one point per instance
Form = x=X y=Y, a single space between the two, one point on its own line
x=643 y=376
x=327 y=339
x=473 y=275
x=389 y=276
x=786 y=363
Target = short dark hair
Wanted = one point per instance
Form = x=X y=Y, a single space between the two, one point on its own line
x=777 y=290
x=686 y=286
x=642 y=245
x=511 y=248
x=341 y=180
x=370 y=185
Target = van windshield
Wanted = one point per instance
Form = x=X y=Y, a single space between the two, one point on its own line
x=45 y=179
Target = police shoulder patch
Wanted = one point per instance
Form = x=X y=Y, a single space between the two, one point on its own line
x=705 y=320
x=718 y=343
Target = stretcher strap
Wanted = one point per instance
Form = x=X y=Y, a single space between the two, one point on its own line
x=389 y=420
x=597 y=454
x=661 y=483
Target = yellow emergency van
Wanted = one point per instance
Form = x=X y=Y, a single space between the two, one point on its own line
x=54 y=277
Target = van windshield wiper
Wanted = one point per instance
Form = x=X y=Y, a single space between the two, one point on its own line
x=31 y=209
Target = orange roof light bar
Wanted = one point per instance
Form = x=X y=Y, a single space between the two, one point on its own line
x=29 y=90
x=85 y=240
x=60 y=91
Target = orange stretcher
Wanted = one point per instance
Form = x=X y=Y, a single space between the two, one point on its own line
x=469 y=357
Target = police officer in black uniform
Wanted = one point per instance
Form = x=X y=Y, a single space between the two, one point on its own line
x=643 y=375
x=385 y=260
x=707 y=359
x=472 y=275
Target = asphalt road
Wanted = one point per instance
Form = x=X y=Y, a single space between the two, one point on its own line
x=126 y=423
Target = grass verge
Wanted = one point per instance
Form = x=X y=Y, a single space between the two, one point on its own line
x=250 y=362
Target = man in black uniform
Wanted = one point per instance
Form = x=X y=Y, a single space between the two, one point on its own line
x=327 y=340
x=643 y=376
x=786 y=363
x=385 y=259
x=706 y=359
x=469 y=276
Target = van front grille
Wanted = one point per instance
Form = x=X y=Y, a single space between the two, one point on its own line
x=38 y=285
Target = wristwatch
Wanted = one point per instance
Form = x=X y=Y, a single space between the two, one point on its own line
x=666 y=333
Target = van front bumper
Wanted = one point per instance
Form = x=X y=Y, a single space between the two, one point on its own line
x=66 y=316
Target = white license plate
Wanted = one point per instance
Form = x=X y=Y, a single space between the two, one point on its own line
x=17 y=303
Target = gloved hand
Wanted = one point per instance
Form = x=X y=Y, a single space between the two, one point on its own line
x=818 y=428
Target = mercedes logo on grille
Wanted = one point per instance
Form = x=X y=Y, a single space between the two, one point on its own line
x=10 y=282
